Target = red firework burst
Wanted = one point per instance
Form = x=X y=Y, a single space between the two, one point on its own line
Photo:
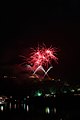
x=42 y=56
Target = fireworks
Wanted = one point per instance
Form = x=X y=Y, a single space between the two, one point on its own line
x=42 y=56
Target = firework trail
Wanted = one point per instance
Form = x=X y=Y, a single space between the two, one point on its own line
x=39 y=68
x=48 y=70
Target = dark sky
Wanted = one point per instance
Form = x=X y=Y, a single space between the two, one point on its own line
x=56 y=24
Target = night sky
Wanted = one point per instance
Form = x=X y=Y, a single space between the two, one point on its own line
x=56 y=24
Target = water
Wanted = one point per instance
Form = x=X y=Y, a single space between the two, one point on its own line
x=59 y=108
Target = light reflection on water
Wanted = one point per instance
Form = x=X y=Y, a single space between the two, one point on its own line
x=15 y=106
x=27 y=108
x=1 y=108
x=54 y=110
x=24 y=106
x=10 y=106
x=47 y=110
x=41 y=107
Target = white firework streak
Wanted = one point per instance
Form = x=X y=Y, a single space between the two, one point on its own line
x=43 y=69
x=46 y=72
x=40 y=67
x=30 y=68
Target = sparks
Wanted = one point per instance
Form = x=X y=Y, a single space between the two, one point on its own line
x=42 y=56
x=38 y=58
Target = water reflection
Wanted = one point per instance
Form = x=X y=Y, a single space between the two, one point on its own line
x=47 y=110
x=24 y=106
x=54 y=110
x=64 y=108
x=27 y=108
x=10 y=105
x=15 y=106
x=31 y=107
x=2 y=108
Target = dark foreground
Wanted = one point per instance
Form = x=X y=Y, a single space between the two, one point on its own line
x=39 y=108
